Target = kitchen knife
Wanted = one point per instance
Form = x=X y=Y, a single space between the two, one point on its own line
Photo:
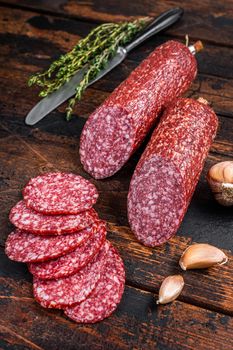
x=55 y=99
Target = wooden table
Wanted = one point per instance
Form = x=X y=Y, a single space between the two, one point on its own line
x=32 y=34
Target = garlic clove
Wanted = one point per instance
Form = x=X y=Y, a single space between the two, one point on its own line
x=222 y=172
x=201 y=256
x=220 y=179
x=228 y=172
x=170 y=289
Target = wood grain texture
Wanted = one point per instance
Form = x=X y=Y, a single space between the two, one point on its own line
x=33 y=35
x=208 y=20
x=145 y=267
x=23 y=40
x=138 y=322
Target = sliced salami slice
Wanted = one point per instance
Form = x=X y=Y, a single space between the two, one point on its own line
x=60 y=193
x=29 y=220
x=26 y=247
x=72 y=262
x=106 y=296
x=72 y=289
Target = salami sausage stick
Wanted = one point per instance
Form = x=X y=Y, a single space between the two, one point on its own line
x=116 y=129
x=167 y=173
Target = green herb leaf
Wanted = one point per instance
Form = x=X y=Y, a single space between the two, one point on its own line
x=93 y=52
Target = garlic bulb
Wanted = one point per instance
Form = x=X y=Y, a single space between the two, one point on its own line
x=170 y=289
x=220 y=179
x=201 y=256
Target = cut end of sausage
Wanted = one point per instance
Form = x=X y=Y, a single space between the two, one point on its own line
x=106 y=142
x=156 y=201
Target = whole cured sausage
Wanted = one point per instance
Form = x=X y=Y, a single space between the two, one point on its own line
x=116 y=129
x=168 y=171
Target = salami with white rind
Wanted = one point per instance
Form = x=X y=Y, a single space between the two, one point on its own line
x=72 y=289
x=26 y=247
x=72 y=262
x=106 y=296
x=59 y=193
x=167 y=173
x=29 y=220
x=116 y=129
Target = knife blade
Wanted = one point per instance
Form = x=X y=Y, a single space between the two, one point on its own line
x=55 y=99
x=52 y=101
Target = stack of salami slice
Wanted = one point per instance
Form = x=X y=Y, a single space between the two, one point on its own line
x=59 y=235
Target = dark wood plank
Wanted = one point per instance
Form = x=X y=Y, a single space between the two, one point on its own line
x=146 y=268
x=14 y=83
x=138 y=322
x=64 y=156
x=14 y=341
x=49 y=36
x=29 y=47
x=30 y=152
x=30 y=41
x=18 y=99
x=207 y=20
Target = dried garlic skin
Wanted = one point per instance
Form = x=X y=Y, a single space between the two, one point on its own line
x=220 y=179
x=201 y=256
x=170 y=289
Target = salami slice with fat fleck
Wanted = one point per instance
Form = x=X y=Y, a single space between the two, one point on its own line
x=72 y=289
x=26 y=247
x=29 y=220
x=106 y=296
x=60 y=193
x=72 y=262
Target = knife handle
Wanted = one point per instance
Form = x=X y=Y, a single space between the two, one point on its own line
x=161 y=22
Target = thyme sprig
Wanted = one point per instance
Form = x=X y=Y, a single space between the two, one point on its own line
x=91 y=54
